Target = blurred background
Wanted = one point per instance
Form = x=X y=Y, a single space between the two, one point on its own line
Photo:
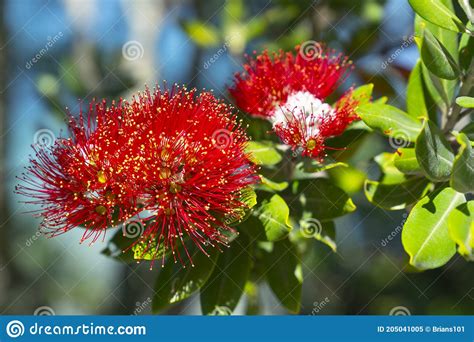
x=54 y=54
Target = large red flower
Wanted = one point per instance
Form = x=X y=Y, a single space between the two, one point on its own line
x=290 y=90
x=174 y=157
x=195 y=170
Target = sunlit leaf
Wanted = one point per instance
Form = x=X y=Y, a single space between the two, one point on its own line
x=263 y=153
x=437 y=58
x=461 y=229
x=390 y=121
x=465 y=101
x=274 y=215
x=435 y=12
x=425 y=235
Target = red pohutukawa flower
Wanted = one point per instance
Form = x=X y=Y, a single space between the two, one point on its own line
x=174 y=157
x=79 y=181
x=290 y=90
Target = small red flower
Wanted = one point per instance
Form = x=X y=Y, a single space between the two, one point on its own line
x=290 y=89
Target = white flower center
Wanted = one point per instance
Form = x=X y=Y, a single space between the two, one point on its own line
x=303 y=106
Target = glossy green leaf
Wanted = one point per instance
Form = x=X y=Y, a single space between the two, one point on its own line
x=440 y=91
x=274 y=215
x=203 y=34
x=119 y=247
x=271 y=186
x=323 y=199
x=466 y=49
x=396 y=196
x=363 y=93
x=148 y=250
x=222 y=291
x=390 y=121
x=284 y=274
x=462 y=177
x=416 y=102
x=461 y=229
x=437 y=13
x=469 y=131
x=176 y=282
x=390 y=174
x=433 y=153
x=425 y=235
x=310 y=168
x=263 y=153
x=437 y=58
x=465 y=101
x=405 y=161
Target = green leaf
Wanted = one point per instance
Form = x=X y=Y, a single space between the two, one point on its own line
x=270 y=186
x=425 y=235
x=390 y=174
x=441 y=90
x=274 y=215
x=466 y=49
x=416 y=103
x=390 y=120
x=118 y=247
x=222 y=291
x=147 y=250
x=461 y=229
x=437 y=58
x=363 y=93
x=323 y=199
x=465 y=101
x=203 y=34
x=396 y=196
x=462 y=177
x=284 y=274
x=176 y=282
x=263 y=153
x=435 y=12
x=434 y=153
x=405 y=161
x=469 y=130
x=309 y=168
